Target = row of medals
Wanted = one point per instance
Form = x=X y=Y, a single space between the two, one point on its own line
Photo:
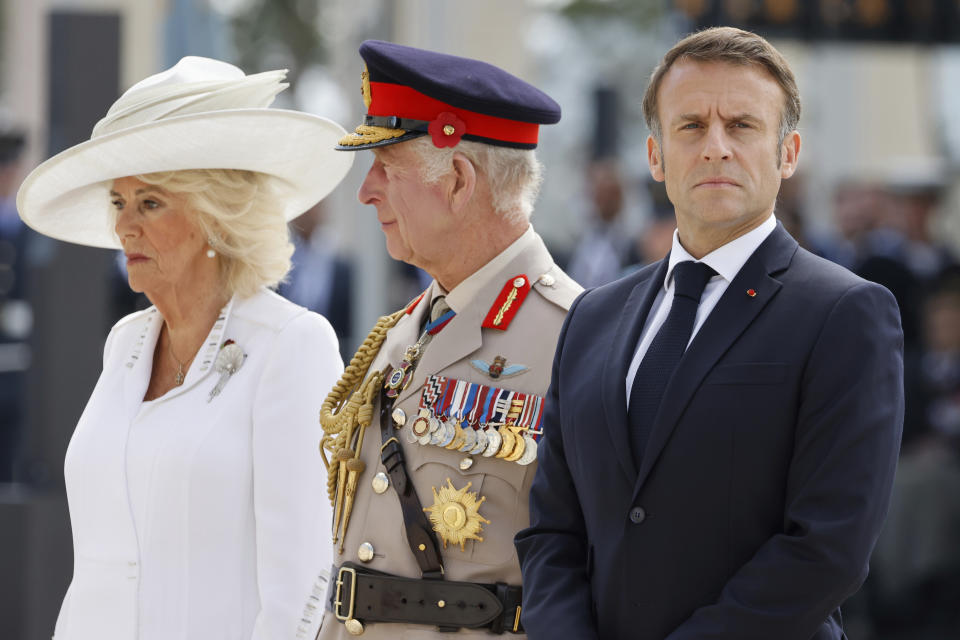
x=505 y=441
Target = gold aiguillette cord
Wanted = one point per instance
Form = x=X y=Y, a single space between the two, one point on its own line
x=345 y=415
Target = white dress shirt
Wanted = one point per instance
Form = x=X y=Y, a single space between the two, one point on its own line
x=726 y=261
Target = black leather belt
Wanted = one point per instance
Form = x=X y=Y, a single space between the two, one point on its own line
x=358 y=593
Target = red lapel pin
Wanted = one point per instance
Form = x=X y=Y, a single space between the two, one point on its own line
x=752 y=293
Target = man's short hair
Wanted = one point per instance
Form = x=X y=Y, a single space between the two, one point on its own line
x=513 y=175
x=733 y=46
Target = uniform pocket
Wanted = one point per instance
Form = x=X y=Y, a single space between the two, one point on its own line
x=498 y=482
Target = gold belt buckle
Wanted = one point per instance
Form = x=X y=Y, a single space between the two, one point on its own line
x=353 y=592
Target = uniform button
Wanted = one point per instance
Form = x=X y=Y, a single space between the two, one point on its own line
x=365 y=552
x=637 y=515
x=399 y=417
x=380 y=482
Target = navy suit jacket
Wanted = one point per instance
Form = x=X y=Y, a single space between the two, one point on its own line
x=766 y=477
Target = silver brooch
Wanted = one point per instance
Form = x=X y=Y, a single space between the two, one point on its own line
x=228 y=362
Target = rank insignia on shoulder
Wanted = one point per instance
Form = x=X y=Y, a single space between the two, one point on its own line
x=507 y=304
x=498 y=368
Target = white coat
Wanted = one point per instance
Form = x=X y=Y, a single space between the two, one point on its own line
x=197 y=518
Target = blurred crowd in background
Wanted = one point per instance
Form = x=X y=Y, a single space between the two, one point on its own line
x=876 y=193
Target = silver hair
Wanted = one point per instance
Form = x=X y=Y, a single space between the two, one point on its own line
x=513 y=175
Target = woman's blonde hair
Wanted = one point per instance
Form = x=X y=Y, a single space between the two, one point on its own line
x=242 y=219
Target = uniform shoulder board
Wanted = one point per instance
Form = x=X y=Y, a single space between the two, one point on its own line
x=557 y=287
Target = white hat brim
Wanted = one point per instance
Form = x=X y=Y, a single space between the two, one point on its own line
x=68 y=196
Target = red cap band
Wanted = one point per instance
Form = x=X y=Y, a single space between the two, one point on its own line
x=389 y=99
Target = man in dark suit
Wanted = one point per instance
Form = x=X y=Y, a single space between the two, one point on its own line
x=722 y=427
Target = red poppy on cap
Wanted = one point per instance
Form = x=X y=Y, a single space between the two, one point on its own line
x=446 y=130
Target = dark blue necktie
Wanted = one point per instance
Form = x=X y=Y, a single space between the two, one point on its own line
x=664 y=353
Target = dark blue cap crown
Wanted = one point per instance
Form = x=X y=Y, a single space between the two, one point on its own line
x=411 y=92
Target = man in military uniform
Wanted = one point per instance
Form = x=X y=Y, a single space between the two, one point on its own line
x=428 y=497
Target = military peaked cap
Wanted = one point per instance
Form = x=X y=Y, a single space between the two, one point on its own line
x=412 y=92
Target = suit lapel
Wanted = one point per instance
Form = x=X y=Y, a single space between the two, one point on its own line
x=735 y=311
x=616 y=363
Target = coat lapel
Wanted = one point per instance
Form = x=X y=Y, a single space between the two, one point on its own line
x=617 y=362
x=735 y=311
x=138 y=362
x=464 y=335
x=203 y=364
x=457 y=339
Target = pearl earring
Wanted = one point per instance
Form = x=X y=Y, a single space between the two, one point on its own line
x=211 y=253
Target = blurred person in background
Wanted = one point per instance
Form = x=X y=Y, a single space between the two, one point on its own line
x=16 y=317
x=916 y=566
x=900 y=251
x=905 y=229
x=605 y=247
x=321 y=278
x=456 y=380
x=191 y=474
x=857 y=209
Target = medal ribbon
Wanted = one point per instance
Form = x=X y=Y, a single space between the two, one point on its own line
x=482 y=393
x=436 y=326
x=526 y=410
x=515 y=408
x=501 y=406
x=459 y=396
x=442 y=408
x=535 y=431
x=488 y=405
x=470 y=399
x=432 y=389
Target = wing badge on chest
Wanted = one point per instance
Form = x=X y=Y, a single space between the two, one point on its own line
x=498 y=368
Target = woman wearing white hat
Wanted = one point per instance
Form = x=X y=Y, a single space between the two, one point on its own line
x=195 y=488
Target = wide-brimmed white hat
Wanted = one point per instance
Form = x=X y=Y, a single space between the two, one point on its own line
x=199 y=114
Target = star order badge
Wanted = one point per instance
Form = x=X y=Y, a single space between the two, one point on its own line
x=455 y=515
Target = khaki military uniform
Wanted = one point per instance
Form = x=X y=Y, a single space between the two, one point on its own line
x=529 y=341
